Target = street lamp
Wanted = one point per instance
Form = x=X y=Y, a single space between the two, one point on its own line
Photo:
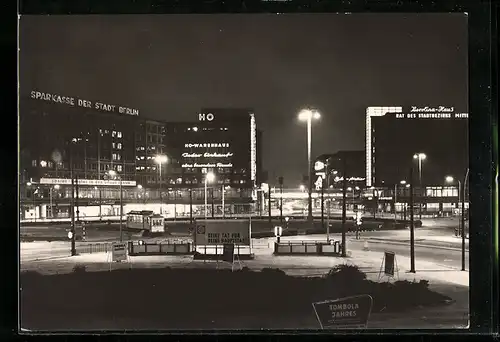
x=308 y=115
x=450 y=179
x=115 y=174
x=420 y=157
x=266 y=189
x=209 y=177
x=29 y=184
x=402 y=182
x=223 y=199
x=56 y=187
x=160 y=159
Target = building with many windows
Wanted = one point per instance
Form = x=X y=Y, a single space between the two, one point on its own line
x=432 y=141
x=150 y=139
x=151 y=161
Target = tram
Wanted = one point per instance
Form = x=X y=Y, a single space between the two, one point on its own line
x=146 y=220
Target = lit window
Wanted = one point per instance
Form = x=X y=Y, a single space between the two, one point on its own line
x=33 y=162
x=114 y=156
x=137 y=167
x=119 y=168
x=119 y=134
x=114 y=145
x=50 y=164
x=142 y=157
x=43 y=163
x=113 y=134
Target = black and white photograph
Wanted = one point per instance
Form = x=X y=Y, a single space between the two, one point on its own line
x=280 y=171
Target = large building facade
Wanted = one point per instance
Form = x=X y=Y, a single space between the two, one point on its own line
x=109 y=147
x=432 y=141
x=439 y=134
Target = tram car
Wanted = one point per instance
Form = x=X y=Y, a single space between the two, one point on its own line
x=145 y=220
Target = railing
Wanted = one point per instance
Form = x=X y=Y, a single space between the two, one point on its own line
x=307 y=248
x=161 y=248
x=93 y=248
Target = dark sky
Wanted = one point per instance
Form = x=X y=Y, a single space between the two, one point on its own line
x=171 y=66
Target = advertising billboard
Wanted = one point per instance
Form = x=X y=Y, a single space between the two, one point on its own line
x=215 y=232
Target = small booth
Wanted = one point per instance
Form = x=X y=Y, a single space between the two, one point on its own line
x=146 y=220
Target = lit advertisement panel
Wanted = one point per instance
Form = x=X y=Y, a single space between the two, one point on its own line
x=207 y=155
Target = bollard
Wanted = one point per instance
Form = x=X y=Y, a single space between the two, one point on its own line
x=365 y=246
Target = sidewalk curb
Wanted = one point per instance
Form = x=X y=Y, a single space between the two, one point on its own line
x=416 y=244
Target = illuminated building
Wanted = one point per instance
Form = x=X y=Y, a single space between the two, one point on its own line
x=225 y=142
x=433 y=140
x=440 y=133
x=99 y=142
x=150 y=139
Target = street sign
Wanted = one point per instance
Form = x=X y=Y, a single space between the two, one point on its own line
x=319 y=183
x=220 y=232
x=348 y=312
x=200 y=229
x=119 y=251
x=228 y=253
x=389 y=263
x=359 y=218
x=278 y=231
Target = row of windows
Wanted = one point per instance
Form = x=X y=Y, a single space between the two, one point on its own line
x=146 y=168
x=114 y=134
x=155 y=180
x=196 y=129
x=441 y=192
x=151 y=148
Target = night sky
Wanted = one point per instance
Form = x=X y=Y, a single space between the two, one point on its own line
x=169 y=67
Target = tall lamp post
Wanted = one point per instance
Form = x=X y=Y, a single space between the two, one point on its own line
x=419 y=157
x=412 y=226
x=280 y=180
x=461 y=192
x=160 y=159
x=267 y=189
x=209 y=177
x=402 y=182
x=308 y=115
x=33 y=193
x=451 y=180
x=115 y=175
